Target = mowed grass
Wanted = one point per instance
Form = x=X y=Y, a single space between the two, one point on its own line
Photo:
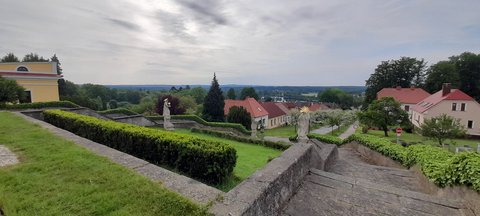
x=58 y=177
x=250 y=158
x=285 y=131
x=419 y=139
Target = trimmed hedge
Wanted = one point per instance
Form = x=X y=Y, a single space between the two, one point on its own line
x=39 y=105
x=208 y=161
x=326 y=138
x=440 y=166
x=199 y=120
x=276 y=145
x=118 y=111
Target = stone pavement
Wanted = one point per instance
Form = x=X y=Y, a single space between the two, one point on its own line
x=354 y=187
x=349 y=131
x=323 y=130
x=7 y=157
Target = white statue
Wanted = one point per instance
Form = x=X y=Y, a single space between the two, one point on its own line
x=166 y=115
x=303 y=124
x=254 y=128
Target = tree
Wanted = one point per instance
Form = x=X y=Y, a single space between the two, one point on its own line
x=231 y=94
x=439 y=73
x=337 y=96
x=468 y=66
x=334 y=118
x=113 y=104
x=384 y=113
x=67 y=88
x=239 y=115
x=10 y=57
x=10 y=91
x=33 y=57
x=403 y=72
x=214 y=103
x=442 y=127
x=175 y=108
x=59 y=68
x=248 y=92
x=187 y=103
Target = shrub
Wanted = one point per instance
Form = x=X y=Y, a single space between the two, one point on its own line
x=326 y=138
x=383 y=146
x=39 y=105
x=199 y=120
x=293 y=138
x=123 y=111
x=206 y=160
x=238 y=114
x=276 y=145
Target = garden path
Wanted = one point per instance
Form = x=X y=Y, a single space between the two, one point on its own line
x=324 y=130
x=7 y=157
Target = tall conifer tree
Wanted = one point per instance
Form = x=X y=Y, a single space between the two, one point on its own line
x=214 y=103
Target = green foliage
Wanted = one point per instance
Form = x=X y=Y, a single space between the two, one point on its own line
x=199 y=120
x=67 y=88
x=468 y=67
x=240 y=115
x=82 y=101
x=40 y=105
x=440 y=166
x=10 y=91
x=439 y=73
x=231 y=94
x=337 y=96
x=293 y=138
x=275 y=145
x=442 y=127
x=209 y=161
x=9 y=57
x=326 y=138
x=118 y=111
x=175 y=108
x=248 y=92
x=59 y=68
x=403 y=72
x=384 y=113
x=214 y=103
x=33 y=57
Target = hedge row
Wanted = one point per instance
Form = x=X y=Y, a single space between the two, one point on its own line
x=205 y=160
x=440 y=166
x=326 y=138
x=39 y=105
x=199 y=120
x=118 y=111
x=277 y=145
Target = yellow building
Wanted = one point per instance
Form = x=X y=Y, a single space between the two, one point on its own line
x=39 y=79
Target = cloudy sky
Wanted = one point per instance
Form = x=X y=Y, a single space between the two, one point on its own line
x=257 y=42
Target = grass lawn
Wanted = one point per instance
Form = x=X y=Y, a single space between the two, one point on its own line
x=285 y=131
x=57 y=177
x=413 y=137
x=250 y=158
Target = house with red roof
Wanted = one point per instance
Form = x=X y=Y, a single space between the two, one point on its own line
x=407 y=97
x=452 y=102
x=257 y=112
x=276 y=116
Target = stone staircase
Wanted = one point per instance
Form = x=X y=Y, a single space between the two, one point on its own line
x=353 y=187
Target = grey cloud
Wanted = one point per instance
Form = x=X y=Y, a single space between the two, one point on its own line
x=124 y=24
x=174 y=26
x=207 y=11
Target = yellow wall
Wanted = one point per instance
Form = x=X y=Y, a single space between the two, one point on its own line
x=277 y=121
x=42 y=90
x=34 y=67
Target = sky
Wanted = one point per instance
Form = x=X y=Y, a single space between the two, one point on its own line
x=251 y=42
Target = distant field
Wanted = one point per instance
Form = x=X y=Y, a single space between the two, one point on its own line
x=311 y=94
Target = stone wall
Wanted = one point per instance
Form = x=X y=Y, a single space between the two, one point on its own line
x=139 y=120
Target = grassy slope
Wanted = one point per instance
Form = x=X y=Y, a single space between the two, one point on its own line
x=250 y=158
x=285 y=131
x=57 y=177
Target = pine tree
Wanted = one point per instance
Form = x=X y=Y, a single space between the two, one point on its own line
x=55 y=59
x=214 y=103
x=10 y=57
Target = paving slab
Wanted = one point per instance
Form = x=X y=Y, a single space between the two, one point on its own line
x=7 y=157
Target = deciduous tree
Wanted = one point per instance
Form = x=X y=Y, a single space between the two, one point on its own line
x=442 y=127
x=175 y=108
x=248 y=92
x=439 y=73
x=231 y=94
x=384 y=113
x=10 y=91
x=239 y=115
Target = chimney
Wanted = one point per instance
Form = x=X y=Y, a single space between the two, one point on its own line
x=399 y=87
x=446 y=88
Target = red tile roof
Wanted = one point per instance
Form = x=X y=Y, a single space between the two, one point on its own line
x=282 y=106
x=317 y=106
x=252 y=106
x=429 y=102
x=404 y=95
x=272 y=109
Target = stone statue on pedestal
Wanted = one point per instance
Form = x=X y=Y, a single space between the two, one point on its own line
x=254 y=128
x=303 y=125
x=166 y=115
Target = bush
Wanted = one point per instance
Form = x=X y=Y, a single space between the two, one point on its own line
x=123 y=111
x=40 y=105
x=199 y=120
x=209 y=161
x=440 y=166
x=326 y=138
x=276 y=145
x=293 y=138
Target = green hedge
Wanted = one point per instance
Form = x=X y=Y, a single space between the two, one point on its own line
x=118 y=111
x=326 y=138
x=208 y=161
x=39 y=105
x=440 y=166
x=277 y=145
x=199 y=120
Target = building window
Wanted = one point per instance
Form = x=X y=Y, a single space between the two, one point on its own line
x=22 y=68
x=463 y=106
x=470 y=124
x=407 y=108
x=454 y=106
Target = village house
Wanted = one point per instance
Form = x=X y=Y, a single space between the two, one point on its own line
x=452 y=102
x=257 y=112
x=407 y=97
x=39 y=79
x=276 y=116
